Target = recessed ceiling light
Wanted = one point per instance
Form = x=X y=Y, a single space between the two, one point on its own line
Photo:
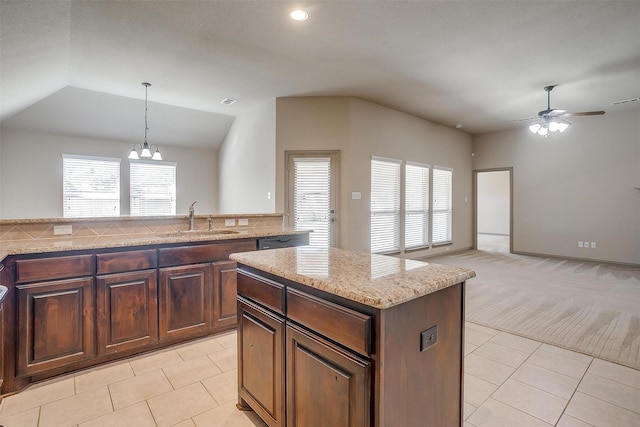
x=459 y=126
x=228 y=101
x=299 y=15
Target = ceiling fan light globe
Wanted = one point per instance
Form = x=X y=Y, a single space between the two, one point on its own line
x=535 y=127
x=543 y=131
x=563 y=126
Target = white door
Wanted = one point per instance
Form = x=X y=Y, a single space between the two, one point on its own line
x=312 y=192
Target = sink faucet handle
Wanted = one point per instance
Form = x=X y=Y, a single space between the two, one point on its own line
x=191 y=207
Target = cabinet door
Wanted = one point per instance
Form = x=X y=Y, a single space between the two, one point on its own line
x=185 y=301
x=127 y=314
x=325 y=382
x=261 y=362
x=224 y=295
x=55 y=324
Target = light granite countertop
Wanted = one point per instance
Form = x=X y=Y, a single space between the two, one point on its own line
x=66 y=243
x=378 y=281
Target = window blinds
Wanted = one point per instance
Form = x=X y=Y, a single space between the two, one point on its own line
x=416 y=206
x=385 y=205
x=312 y=198
x=442 y=200
x=91 y=186
x=152 y=189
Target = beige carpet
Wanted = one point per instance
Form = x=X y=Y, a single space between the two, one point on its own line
x=588 y=307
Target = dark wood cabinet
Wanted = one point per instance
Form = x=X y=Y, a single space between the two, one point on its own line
x=224 y=295
x=127 y=311
x=70 y=310
x=55 y=324
x=185 y=308
x=261 y=362
x=325 y=382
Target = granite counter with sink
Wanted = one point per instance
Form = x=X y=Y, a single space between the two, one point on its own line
x=26 y=236
x=115 y=287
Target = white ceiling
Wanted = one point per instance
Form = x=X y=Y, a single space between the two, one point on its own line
x=75 y=67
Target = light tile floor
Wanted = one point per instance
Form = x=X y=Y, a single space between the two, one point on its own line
x=509 y=381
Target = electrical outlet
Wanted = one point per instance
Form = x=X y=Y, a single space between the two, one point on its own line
x=243 y=221
x=229 y=222
x=428 y=338
x=59 y=230
x=580 y=244
x=593 y=245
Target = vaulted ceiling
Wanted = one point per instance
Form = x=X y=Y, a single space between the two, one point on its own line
x=76 y=67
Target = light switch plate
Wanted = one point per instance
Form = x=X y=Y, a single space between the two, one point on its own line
x=229 y=222
x=356 y=195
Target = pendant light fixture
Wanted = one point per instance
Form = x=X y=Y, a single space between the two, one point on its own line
x=145 y=148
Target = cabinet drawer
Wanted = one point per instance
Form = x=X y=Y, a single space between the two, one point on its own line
x=30 y=270
x=117 y=262
x=265 y=292
x=202 y=253
x=350 y=328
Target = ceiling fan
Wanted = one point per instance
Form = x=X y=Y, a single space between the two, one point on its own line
x=552 y=120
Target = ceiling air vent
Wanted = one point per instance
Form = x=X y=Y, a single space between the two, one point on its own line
x=625 y=101
x=228 y=101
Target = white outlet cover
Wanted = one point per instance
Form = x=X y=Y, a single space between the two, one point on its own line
x=59 y=230
x=593 y=245
x=581 y=244
x=356 y=195
x=243 y=221
x=229 y=222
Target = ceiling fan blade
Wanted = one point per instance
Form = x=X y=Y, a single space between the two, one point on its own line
x=551 y=112
x=586 y=113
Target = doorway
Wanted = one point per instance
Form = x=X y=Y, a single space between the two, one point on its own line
x=312 y=178
x=493 y=210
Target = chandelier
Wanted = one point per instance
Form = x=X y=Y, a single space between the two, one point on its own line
x=145 y=148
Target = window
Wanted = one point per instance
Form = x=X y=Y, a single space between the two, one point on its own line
x=90 y=186
x=442 y=212
x=312 y=197
x=385 y=205
x=416 y=206
x=152 y=188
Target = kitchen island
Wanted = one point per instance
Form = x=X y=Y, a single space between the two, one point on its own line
x=349 y=339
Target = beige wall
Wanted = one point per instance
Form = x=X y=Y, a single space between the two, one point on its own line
x=31 y=173
x=313 y=123
x=575 y=186
x=361 y=129
x=246 y=163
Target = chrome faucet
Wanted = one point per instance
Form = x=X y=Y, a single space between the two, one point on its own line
x=192 y=217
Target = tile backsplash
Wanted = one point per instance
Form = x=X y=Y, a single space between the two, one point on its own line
x=31 y=229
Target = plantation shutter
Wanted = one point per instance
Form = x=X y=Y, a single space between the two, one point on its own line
x=442 y=202
x=90 y=186
x=312 y=198
x=385 y=205
x=416 y=223
x=152 y=189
